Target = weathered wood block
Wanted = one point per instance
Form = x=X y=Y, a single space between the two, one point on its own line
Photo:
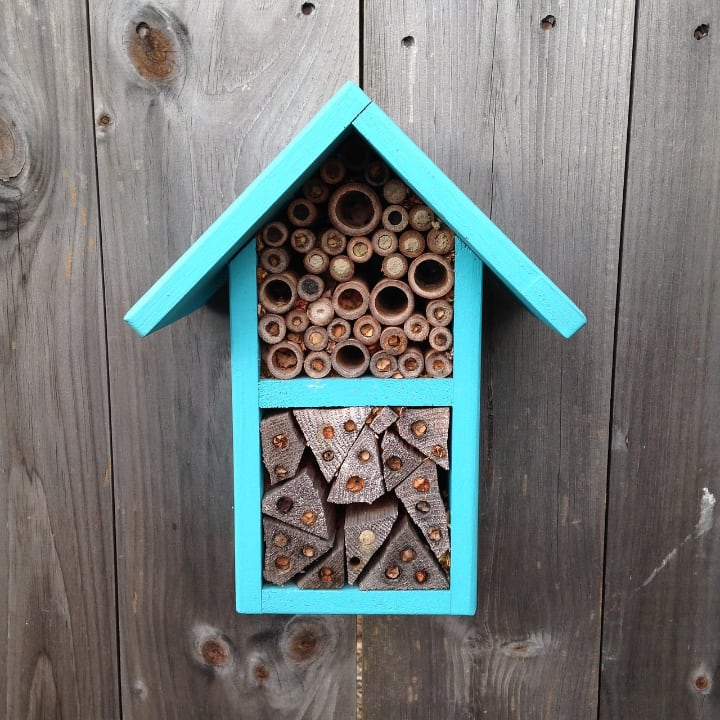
x=427 y=430
x=366 y=529
x=282 y=445
x=330 y=433
x=399 y=459
x=328 y=573
x=404 y=563
x=382 y=419
x=288 y=550
x=360 y=476
x=302 y=502
x=420 y=495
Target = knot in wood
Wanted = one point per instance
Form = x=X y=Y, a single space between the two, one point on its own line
x=12 y=151
x=215 y=652
x=260 y=672
x=154 y=51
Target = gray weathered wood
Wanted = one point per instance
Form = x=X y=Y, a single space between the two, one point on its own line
x=661 y=644
x=58 y=649
x=282 y=445
x=360 y=477
x=328 y=573
x=399 y=459
x=531 y=123
x=200 y=97
x=427 y=430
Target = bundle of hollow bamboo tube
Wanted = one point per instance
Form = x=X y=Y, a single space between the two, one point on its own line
x=357 y=275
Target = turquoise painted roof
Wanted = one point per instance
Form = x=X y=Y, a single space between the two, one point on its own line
x=198 y=273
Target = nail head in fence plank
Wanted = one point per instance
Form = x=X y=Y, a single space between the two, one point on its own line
x=282 y=446
x=366 y=529
x=330 y=433
x=328 y=573
x=302 y=502
x=289 y=550
x=427 y=430
x=420 y=494
x=399 y=459
x=359 y=478
x=404 y=563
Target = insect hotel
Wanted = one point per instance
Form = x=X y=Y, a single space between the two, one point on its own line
x=355 y=273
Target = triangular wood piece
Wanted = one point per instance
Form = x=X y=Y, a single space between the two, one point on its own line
x=289 y=550
x=282 y=445
x=404 y=563
x=381 y=418
x=366 y=529
x=330 y=433
x=420 y=495
x=302 y=502
x=399 y=459
x=328 y=573
x=427 y=429
x=360 y=476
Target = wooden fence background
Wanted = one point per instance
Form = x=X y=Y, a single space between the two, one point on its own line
x=126 y=128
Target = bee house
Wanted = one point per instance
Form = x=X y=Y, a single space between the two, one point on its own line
x=355 y=274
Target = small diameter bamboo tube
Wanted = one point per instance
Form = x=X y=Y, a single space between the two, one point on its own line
x=350 y=359
x=278 y=293
x=320 y=311
x=302 y=240
x=392 y=302
x=431 y=276
x=332 y=241
x=350 y=299
x=310 y=287
x=377 y=173
x=367 y=330
x=411 y=243
x=284 y=360
x=342 y=268
x=332 y=171
x=395 y=218
x=411 y=363
x=271 y=328
x=421 y=217
x=437 y=364
x=339 y=329
x=316 y=190
x=394 y=266
x=316 y=261
x=315 y=338
x=395 y=191
x=317 y=364
x=393 y=340
x=360 y=249
x=440 y=241
x=355 y=209
x=416 y=327
x=275 y=260
x=384 y=242
x=383 y=365
x=301 y=212
x=275 y=234
x=297 y=321
x=439 y=312
x=440 y=338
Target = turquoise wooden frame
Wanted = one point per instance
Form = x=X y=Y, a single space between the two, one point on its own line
x=226 y=251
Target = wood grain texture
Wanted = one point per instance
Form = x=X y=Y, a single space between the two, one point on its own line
x=532 y=125
x=199 y=99
x=58 y=653
x=661 y=646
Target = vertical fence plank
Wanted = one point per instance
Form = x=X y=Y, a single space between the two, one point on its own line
x=661 y=646
x=58 y=655
x=531 y=122
x=193 y=101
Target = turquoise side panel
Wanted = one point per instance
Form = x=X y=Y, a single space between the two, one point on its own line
x=530 y=285
x=199 y=271
x=247 y=467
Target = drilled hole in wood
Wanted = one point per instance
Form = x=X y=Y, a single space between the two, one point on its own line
x=354 y=561
x=548 y=22
x=282 y=562
x=355 y=209
x=392 y=572
x=284 y=504
x=142 y=29
x=355 y=484
x=408 y=41
x=701 y=31
x=307 y=8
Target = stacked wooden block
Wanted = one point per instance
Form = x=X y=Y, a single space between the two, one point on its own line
x=356 y=276
x=356 y=495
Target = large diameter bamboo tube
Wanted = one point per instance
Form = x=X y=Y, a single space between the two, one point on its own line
x=278 y=293
x=391 y=302
x=431 y=276
x=350 y=359
x=350 y=299
x=355 y=209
